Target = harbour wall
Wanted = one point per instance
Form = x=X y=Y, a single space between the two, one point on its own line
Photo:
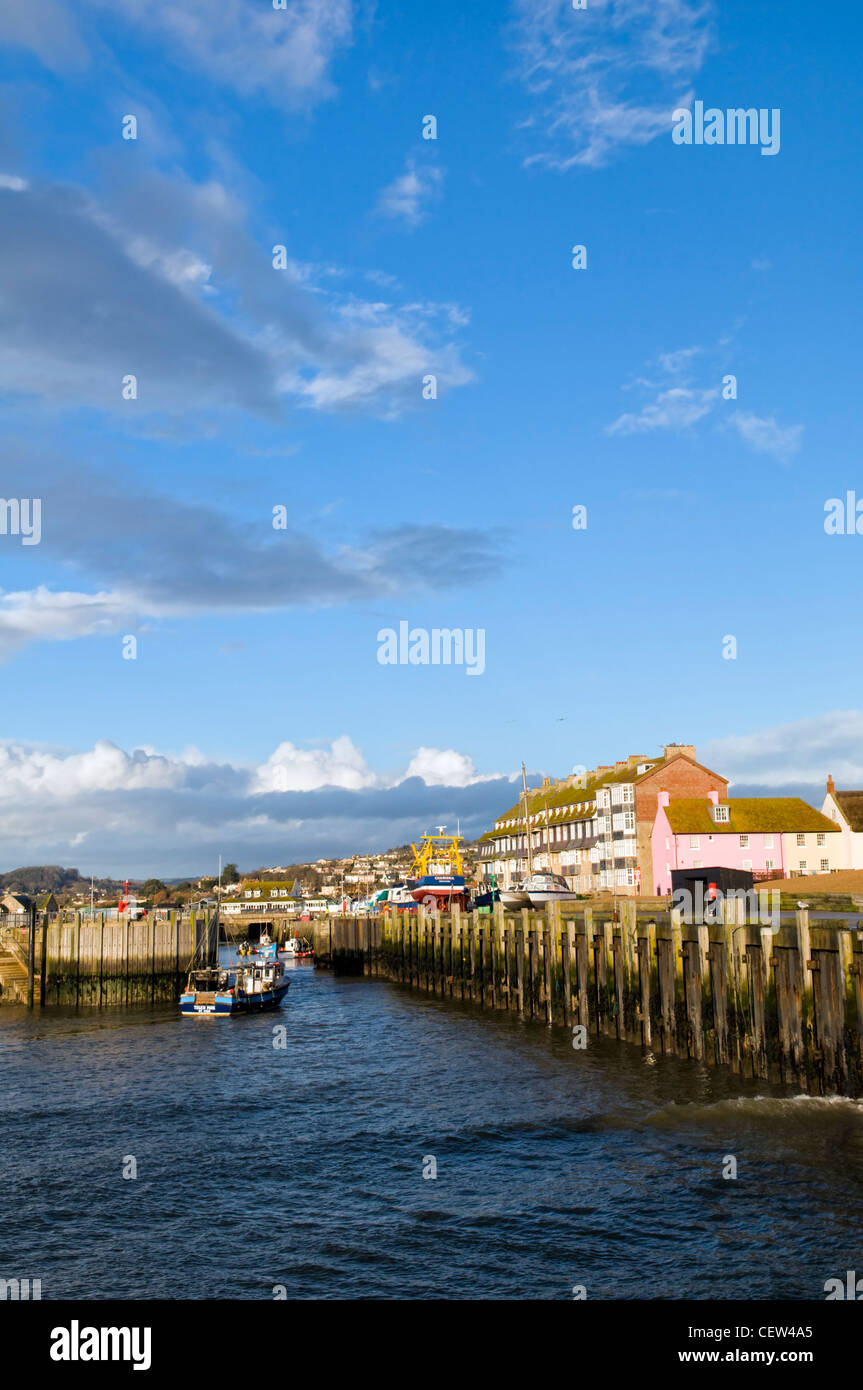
x=104 y=960
x=775 y=1004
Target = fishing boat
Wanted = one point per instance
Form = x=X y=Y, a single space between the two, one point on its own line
x=438 y=872
x=255 y=984
x=297 y=948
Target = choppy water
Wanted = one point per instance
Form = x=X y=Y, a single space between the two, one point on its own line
x=303 y=1167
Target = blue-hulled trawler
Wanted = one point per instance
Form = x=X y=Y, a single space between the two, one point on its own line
x=438 y=872
x=258 y=982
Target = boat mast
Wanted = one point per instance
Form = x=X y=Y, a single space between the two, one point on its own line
x=526 y=822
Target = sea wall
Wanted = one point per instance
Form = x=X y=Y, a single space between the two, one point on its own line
x=780 y=1004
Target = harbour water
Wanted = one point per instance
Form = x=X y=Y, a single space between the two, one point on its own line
x=302 y=1167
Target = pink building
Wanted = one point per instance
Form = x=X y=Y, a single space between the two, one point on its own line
x=764 y=834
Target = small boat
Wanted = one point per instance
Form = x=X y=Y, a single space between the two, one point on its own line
x=297 y=948
x=242 y=989
x=547 y=888
x=515 y=897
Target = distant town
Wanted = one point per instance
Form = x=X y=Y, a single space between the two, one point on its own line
x=620 y=828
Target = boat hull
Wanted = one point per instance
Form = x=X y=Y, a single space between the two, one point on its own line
x=440 y=888
x=513 y=898
x=230 y=1006
x=540 y=899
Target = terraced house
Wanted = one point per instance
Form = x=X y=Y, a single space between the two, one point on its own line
x=595 y=828
x=771 y=836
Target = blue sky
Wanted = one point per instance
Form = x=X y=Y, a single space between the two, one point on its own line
x=256 y=718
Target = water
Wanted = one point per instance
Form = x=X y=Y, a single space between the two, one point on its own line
x=303 y=1167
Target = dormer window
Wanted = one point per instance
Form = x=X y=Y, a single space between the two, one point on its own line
x=720 y=813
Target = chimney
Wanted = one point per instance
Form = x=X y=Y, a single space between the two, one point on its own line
x=663 y=798
x=831 y=785
x=676 y=750
x=713 y=796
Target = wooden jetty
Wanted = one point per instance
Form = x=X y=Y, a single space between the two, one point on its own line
x=777 y=1004
x=102 y=960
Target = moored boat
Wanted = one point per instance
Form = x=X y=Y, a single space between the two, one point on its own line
x=514 y=897
x=298 y=948
x=255 y=984
x=542 y=888
x=438 y=872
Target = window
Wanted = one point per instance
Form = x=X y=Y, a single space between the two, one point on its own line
x=768 y=841
x=698 y=863
x=720 y=813
x=769 y=864
x=694 y=842
x=747 y=863
x=801 y=839
x=802 y=866
x=822 y=839
x=629 y=820
x=744 y=841
x=825 y=866
x=628 y=795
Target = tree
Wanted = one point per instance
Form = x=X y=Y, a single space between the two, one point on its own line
x=230 y=874
x=152 y=888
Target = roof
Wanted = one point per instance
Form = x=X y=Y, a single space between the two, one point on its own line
x=851 y=806
x=561 y=795
x=269 y=887
x=746 y=814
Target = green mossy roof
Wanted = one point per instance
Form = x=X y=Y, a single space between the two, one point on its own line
x=747 y=815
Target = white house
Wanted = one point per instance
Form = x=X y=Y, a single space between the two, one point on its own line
x=264 y=895
x=845 y=809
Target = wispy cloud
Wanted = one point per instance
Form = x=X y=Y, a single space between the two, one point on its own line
x=182 y=559
x=767 y=437
x=285 y=55
x=161 y=279
x=407 y=198
x=675 y=409
x=679 y=403
x=609 y=75
x=804 y=751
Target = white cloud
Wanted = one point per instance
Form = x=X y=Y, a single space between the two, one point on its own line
x=675 y=409
x=143 y=812
x=608 y=75
x=408 y=196
x=162 y=277
x=105 y=767
x=804 y=751
x=768 y=437
x=285 y=55
x=678 y=404
x=442 y=767
x=291 y=769
x=42 y=615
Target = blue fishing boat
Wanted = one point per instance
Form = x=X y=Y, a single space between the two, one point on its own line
x=256 y=983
